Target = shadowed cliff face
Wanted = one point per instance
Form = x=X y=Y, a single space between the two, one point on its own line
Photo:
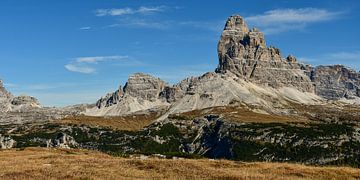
x=335 y=82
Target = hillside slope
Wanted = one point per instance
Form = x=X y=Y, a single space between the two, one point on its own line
x=37 y=163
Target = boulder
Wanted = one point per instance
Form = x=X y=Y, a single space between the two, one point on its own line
x=6 y=142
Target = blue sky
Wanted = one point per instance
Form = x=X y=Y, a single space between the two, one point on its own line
x=74 y=51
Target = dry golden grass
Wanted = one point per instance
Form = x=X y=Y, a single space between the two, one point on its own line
x=243 y=114
x=38 y=163
x=340 y=111
x=129 y=123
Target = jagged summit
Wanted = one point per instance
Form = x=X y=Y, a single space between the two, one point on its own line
x=237 y=23
x=141 y=92
x=8 y=102
x=5 y=98
x=249 y=72
x=244 y=52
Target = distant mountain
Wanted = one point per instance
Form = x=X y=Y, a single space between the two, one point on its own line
x=24 y=109
x=256 y=106
x=8 y=102
x=248 y=73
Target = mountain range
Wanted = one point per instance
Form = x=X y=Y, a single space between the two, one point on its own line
x=256 y=105
x=249 y=72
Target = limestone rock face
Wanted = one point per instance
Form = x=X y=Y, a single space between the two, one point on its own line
x=8 y=102
x=144 y=86
x=172 y=94
x=110 y=99
x=63 y=140
x=5 y=98
x=336 y=82
x=141 y=92
x=139 y=85
x=27 y=101
x=244 y=53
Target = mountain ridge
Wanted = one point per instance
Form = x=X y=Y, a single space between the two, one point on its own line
x=256 y=106
x=245 y=59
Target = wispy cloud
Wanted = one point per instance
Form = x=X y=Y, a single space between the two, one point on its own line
x=80 y=68
x=279 y=20
x=351 y=58
x=86 y=65
x=97 y=59
x=128 y=11
x=85 y=28
x=141 y=23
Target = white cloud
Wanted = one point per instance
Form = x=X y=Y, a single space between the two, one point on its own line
x=129 y=11
x=85 y=28
x=80 y=68
x=130 y=22
x=280 y=20
x=97 y=59
x=87 y=65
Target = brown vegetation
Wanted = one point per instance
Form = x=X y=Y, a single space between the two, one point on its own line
x=341 y=112
x=240 y=114
x=37 y=163
x=129 y=123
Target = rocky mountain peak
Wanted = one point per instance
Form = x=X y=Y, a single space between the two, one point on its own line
x=141 y=91
x=10 y=103
x=236 y=23
x=244 y=53
x=5 y=98
x=249 y=72
x=3 y=91
x=144 y=86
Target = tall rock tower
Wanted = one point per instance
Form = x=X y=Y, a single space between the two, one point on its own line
x=244 y=52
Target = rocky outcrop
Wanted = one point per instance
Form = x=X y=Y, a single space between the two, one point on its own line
x=9 y=103
x=110 y=99
x=139 y=85
x=26 y=101
x=144 y=86
x=141 y=92
x=244 y=53
x=62 y=140
x=5 y=98
x=6 y=142
x=336 y=82
x=321 y=142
